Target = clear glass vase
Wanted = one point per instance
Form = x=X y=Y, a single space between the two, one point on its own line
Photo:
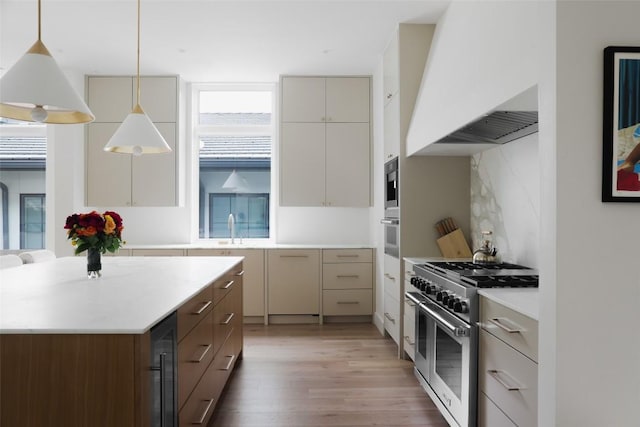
x=93 y=263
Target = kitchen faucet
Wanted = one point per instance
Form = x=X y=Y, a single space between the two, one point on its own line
x=231 y=223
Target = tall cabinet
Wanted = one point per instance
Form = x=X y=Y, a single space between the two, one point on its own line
x=114 y=179
x=430 y=188
x=325 y=153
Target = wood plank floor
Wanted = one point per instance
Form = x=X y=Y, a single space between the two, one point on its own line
x=329 y=375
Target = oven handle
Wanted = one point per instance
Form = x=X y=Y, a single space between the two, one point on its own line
x=391 y=221
x=457 y=330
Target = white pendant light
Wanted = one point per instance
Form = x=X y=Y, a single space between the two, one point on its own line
x=36 y=90
x=235 y=182
x=137 y=135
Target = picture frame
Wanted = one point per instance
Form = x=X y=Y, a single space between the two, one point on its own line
x=621 y=125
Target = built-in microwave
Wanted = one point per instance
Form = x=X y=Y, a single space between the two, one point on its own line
x=391 y=184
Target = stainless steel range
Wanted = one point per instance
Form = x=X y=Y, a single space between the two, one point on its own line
x=446 y=329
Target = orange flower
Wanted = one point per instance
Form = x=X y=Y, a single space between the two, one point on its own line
x=109 y=225
x=88 y=231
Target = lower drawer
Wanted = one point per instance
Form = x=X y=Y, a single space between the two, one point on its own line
x=352 y=302
x=200 y=405
x=409 y=336
x=195 y=353
x=489 y=415
x=392 y=317
x=509 y=379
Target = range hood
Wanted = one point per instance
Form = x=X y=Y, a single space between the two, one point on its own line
x=497 y=127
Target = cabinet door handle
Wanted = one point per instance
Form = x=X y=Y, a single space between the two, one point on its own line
x=203 y=308
x=498 y=322
x=228 y=285
x=408 y=340
x=389 y=96
x=294 y=256
x=348 y=302
x=228 y=319
x=205 y=349
x=226 y=368
x=391 y=319
x=240 y=273
x=496 y=374
x=347 y=276
x=207 y=407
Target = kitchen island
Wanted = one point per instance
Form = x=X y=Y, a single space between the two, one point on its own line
x=76 y=351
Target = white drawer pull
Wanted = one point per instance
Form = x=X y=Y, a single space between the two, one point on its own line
x=240 y=273
x=205 y=349
x=390 y=277
x=348 y=256
x=228 y=285
x=499 y=322
x=206 y=408
x=348 y=302
x=347 y=276
x=203 y=308
x=228 y=319
x=408 y=340
x=391 y=319
x=226 y=368
x=497 y=375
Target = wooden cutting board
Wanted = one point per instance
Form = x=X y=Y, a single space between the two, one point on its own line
x=454 y=245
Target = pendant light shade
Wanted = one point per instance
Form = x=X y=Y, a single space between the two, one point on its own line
x=36 y=90
x=235 y=182
x=137 y=134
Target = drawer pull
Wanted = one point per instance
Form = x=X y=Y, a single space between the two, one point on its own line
x=498 y=321
x=207 y=407
x=205 y=349
x=348 y=276
x=391 y=319
x=408 y=340
x=390 y=277
x=294 y=256
x=231 y=358
x=203 y=308
x=240 y=273
x=349 y=256
x=228 y=319
x=496 y=374
x=348 y=302
x=228 y=285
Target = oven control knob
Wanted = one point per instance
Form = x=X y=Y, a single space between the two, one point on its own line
x=414 y=280
x=429 y=289
x=452 y=302
x=440 y=295
x=461 y=307
x=445 y=299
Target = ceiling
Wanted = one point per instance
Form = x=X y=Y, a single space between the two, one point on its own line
x=212 y=40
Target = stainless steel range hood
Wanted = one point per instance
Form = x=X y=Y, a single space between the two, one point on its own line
x=497 y=127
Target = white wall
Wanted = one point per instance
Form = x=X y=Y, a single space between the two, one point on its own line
x=597 y=278
x=505 y=199
x=483 y=53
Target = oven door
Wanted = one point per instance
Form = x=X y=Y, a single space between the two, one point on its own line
x=451 y=362
x=391 y=236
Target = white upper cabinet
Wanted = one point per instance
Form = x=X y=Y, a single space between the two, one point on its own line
x=115 y=179
x=390 y=78
x=325 y=143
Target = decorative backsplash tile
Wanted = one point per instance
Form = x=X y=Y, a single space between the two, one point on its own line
x=505 y=199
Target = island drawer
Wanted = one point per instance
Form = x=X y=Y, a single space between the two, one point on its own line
x=224 y=319
x=193 y=311
x=509 y=379
x=195 y=353
x=200 y=405
x=346 y=255
x=347 y=276
x=351 y=302
x=516 y=329
x=222 y=286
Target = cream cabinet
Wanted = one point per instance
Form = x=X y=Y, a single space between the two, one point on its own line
x=347 y=282
x=392 y=298
x=507 y=367
x=114 y=179
x=293 y=281
x=409 y=315
x=325 y=148
x=253 y=279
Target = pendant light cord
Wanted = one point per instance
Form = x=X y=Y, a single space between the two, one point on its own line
x=138 y=63
x=39 y=31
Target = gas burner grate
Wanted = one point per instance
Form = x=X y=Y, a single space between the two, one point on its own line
x=491 y=281
x=465 y=265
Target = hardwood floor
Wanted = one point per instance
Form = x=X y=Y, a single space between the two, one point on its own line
x=330 y=375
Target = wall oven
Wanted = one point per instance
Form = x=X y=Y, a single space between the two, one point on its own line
x=391 y=184
x=391 y=236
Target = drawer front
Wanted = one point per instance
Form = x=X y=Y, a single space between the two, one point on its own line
x=224 y=317
x=509 y=379
x=194 y=310
x=347 y=302
x=409 y=335
x=489 y=415
x=517 y=330
x=392 y=317
x=346 y=255
x=224 y=363
x=222 y=286
x=202 y=402
x=392 y=276
x=347 y=276
x=195 y=353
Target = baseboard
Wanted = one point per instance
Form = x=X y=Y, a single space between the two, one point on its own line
x=347 y=319
x=378 y=320
x=253 y=320
x=293 y=319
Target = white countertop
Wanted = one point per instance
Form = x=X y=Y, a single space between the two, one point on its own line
x=246 y=244
x=133 y=294
x=522 y=300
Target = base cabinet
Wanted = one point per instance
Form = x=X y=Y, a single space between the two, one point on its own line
x=347 y=282
x=294 y=281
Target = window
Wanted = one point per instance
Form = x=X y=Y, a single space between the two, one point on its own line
x=32 y=221
x=234 y=132
x=23 y=154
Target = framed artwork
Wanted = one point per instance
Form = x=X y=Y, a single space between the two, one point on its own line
x=621 y=125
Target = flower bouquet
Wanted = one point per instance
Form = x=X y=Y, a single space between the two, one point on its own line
x=95 y=233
